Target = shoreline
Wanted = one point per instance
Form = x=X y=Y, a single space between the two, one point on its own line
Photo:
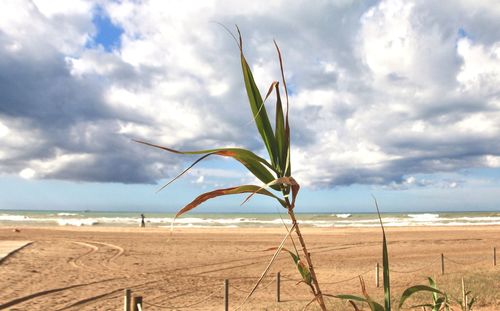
x=225 y=229
x=246 y=220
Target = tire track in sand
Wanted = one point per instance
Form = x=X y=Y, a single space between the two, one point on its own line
x=95 y=249
x=75 y=262
x=119 y=250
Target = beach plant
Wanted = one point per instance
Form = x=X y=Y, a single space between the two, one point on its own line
x=407 y=293
x=440 y=300
x=466 y=303
x=275 y=172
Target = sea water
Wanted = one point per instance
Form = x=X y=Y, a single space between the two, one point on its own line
x=195 y=220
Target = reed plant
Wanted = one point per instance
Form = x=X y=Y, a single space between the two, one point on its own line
x=275 y=172
x=440 y=300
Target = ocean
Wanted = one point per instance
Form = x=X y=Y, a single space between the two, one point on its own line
x=194 y=220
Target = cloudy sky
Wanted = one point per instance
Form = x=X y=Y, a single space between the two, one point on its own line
x=400 y=99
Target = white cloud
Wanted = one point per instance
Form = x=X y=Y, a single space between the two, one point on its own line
x=27 y=173
x=4 y=130
x=379 y=93
x=493 y=161
x=480 y=73
x=70 y=7
x=36 y=28
x=59 y=162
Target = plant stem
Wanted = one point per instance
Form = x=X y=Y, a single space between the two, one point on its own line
x=316 y=289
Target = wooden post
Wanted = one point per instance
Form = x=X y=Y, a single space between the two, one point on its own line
x=136 y=303
x=377 y=275
x=278 y=283
x=126 y=305
x=226 y=295
x=442 y=264
x=494 y=256
x=132 y=303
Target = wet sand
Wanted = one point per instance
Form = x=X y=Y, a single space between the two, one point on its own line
x=88 y=268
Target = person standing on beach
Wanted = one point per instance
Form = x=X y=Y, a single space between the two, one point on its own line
x=143 y=224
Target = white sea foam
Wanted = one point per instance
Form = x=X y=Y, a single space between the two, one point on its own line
x=423 y=217
x=8 y=217
x=342 y=215
x=76 y=222
x=67 y=214
x=196 y=221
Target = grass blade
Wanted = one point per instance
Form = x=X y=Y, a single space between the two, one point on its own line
x=280 y=134
x=374 y=306
x=385 y=259
x=288 y=168
x=258 y=110
x=433 y=284
x=415 y=289
x=282 y=141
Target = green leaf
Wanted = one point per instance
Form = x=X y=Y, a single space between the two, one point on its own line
x=288 y=169
x=385 y=259
x=432 y=283
x=255 y=164
x=280 y=134
x=303 y=269
x=227 y=191
x=258 y=109
x=414 y=289
x=372 y=304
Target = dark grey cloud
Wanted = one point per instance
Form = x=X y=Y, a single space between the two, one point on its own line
x=43 y=91
x=380 y=91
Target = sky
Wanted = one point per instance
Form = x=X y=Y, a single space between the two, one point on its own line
x=399 y=99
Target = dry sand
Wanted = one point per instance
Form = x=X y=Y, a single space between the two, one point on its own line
x=88 y=268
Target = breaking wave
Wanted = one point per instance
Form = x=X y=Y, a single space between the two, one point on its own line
x=252 y=220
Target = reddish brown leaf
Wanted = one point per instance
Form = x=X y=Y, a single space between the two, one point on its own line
x=227 y=191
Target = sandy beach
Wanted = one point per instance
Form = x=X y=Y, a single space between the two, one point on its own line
x=88 y=268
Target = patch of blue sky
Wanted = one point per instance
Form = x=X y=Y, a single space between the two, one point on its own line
x=462 y=33
x=107 y=35
x=66 y=195
x=489 y=176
